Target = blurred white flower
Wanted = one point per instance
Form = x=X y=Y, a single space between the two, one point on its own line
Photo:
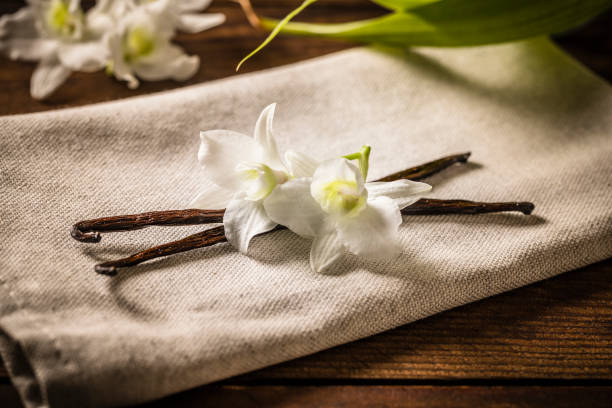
x=187 y=17
x=52 y=32
x=131 y=38
x=103 y=17
x=140 y=45
x=339 y=210
x=246 y=170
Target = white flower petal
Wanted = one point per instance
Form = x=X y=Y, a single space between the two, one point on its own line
x=47 y=77
x=333 y=170
x=403 y=192
x=169 y=62
x=101 y=17
x=19 y=38
x=74 y=5
x=20 y=24
x=243 y=220
x=299 y=164
x=88 y=57
x=221 y=151
x=195 y=23
x=193 y=5
x=120 y=69
x=30 y=49
x=325 y=249
x=290 y=204
x=212 y=199
x=264 y=136
x=373 y=232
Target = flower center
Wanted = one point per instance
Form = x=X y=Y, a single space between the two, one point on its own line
x=258 y=180
x=341 y=197
x=60 y=20
x=137 y=43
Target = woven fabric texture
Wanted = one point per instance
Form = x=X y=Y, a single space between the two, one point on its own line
x=539 y=126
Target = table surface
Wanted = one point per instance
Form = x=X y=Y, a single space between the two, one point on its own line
x=549 y=343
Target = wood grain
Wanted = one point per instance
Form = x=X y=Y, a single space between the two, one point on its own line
x=389 y=396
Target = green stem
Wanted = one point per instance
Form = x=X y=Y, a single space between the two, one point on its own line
x=363 y=156
x=329 y=30
x=276 y=30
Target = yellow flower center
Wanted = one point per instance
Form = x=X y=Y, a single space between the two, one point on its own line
x=258 y=180
x=60 y=20
x=137 y=43
x=341 y=197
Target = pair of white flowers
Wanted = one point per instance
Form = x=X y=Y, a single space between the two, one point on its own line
x=130 y=38
x=327 y=201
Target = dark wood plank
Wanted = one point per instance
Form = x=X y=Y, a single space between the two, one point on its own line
x=389 y=396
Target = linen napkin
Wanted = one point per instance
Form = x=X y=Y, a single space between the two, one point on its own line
x=539 y=126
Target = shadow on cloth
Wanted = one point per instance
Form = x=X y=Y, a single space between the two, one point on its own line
x=541 y=101
x=290 y=247
x=116 y=283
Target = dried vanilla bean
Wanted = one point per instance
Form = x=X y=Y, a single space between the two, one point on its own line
x=427 y=169
x=201 y=239
x=89 y=230
x=216 y=235
x=430 y=206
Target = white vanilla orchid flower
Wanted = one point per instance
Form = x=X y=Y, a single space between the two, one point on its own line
x=340 y=211
x=246 y=170
x=140 y=44
x=54 y=33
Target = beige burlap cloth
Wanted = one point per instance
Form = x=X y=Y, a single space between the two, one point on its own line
x=540 y=129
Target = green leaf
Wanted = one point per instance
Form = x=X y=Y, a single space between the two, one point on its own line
x=276 y=30
x=400 y=5
x=450 y=23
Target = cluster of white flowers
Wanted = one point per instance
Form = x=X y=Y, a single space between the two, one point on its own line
x=130 y=38
x=328 y=201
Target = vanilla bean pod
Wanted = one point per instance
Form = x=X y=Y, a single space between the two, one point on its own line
x=89 y=230
x=201 y=239
x=430 y=206
x=427 y=169
x=216 y=235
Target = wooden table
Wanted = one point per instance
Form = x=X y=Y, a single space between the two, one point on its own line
x=547 y=344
